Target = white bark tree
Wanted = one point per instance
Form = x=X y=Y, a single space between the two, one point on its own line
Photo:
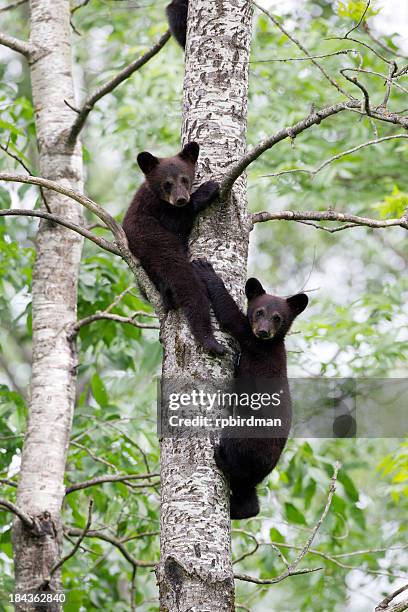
x=195 y=569
x=58 y=253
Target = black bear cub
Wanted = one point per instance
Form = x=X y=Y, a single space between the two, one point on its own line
x=261 y=335
x=158 y=224
x=177 y=15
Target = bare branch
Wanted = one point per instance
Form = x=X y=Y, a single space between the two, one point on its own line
x=79 y=5
x=320 y=521
x=330 y=230
x=16 y=158
x=116 y=229
x=101 y=242
x=314 y=118
x=303 y=49
x=248 y=578
x=383 y=606
x=362 y=88
x=291 y=568
x=336 y=157
x=27 y=169
x=252 y=551
x=363 y=44
x=387 y=79
x=115 y=478
x=111 y=84
x=25 y=518
x=12 y=6
x=112 y=540
x=133 y=590
x=10 y=483
x=106 y=314
x=92 y=454
x=77 y=544
x=392 y=72
x=335 y=559
x=92 y=206
x=15 y=44
x=304 y=59
x=328 y=215
x=360 y=20
x=111 y=317
x=380 y=43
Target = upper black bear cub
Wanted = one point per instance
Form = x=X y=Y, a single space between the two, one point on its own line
x=157 y=225
x=177 y=15
x=261 y=336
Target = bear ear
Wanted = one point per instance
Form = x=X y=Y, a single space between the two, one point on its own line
x=147 y=162
x=298 y=302
x=253 y=288
x=190 y=152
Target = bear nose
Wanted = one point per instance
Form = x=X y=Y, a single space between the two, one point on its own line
x=181 y=201
x=262 y=333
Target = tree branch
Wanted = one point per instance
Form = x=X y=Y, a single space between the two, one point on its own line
x=304 y=59
x=314 y=118
x=101 y=242
x=383 y=606
x=335 y=559
x=15 y=44
x=291 y=568
x=8 y=482
x=115 y=478
x=360 y=20
x=111 y=317
x=13 y=5
x=328 y=215
x=112 y=540
x=248 y=578
x=111 y=84
x=92 y=206
x=303 y=49
x=106 y=314
x=362 y=88
x=103 y=215
x=380 y=43
x=338 y=156
x=25 y=518
x=77 y=544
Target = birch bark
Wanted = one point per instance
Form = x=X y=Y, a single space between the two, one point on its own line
x=41 y=483
x=195 y=571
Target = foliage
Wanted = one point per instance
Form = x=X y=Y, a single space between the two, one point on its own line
x=355 y=326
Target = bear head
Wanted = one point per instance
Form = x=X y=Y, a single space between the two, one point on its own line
x=269 y=316
x=171 y=178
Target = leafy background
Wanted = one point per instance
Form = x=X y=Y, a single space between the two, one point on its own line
x=355 y=325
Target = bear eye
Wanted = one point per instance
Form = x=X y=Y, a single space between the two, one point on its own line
x=258 y=313
x=277 y=318
x=167 y=185
x=184 y=180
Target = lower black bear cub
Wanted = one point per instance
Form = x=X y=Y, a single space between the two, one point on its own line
x=177 y=12
x=158 y=224
x=261 y=336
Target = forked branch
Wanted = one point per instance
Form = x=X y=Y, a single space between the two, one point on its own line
x=111 y=84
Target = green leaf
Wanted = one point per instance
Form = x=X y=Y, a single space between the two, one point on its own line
x=293 y=514
x=98 y=390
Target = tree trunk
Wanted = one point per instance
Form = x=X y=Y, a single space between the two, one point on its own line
x=195 y=571
x=41 y=483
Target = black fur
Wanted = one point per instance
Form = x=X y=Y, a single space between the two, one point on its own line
x=260 y=334
x=158 y=224
x=177 y=12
